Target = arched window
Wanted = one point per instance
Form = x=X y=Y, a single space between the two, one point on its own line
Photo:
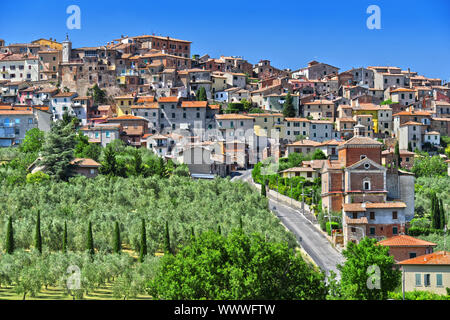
x=366 y=184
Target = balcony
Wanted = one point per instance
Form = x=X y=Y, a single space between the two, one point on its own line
x=7 y=125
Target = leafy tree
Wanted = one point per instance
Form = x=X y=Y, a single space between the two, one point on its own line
x=318 y=155
x=58 y=151
x=409 y=146
x=33 y=141
x=167 y=247
x=117 y=243
x=90 y=239
x=64 y=239
x=37 y=235
x=427 y=166
x=98 y=94
x=236 y=267
x=9 y=241
x=246 y=105
x=288 y=106
x=84 y=149
x=356 y=272
x=143 y=247
x=37 y=177
x=28 y=282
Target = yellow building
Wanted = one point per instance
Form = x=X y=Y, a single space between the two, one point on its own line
x=267 y=124
x=429 y=272
x=376 y=112
x=306 y=172
x=48 y=43
x=123 y=104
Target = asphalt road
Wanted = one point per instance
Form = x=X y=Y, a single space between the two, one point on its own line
x=309 y=238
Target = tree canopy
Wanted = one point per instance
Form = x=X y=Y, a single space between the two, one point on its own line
x=237 y=266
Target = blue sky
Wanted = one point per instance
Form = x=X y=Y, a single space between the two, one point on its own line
x=413 y=33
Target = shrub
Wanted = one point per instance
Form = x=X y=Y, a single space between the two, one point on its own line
x=334 y=224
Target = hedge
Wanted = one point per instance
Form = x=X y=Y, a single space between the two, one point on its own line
x=419 y=231
x=334 y=224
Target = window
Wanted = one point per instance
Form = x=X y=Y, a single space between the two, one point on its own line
x=418 y=280
x=426 y=280
x=355 y=215
x=412 y=255
x=108 y=134
x=363 y=156
x=366 y=185
x=394 y=230
x=353 y=229
x=372 y=231
x=439 y=280
x=372 y=216
x=394 y=215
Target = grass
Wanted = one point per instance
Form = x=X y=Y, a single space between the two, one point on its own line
x=53 y=293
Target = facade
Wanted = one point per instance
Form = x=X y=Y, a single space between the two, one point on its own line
x=102 y=133
x=319 y=109
x=429 y=272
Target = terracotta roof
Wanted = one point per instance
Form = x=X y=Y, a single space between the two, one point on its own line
x=319 y=102
x=214 y=106
x=301 y=143
x=64 y=94
x=373 y=205
x=265 y=114
x=85 y=162
x=145 y=99
x=331 y=142
x=315 y=164
x=127 y=117
x=232 y=116
x=168 y=99
x=438 y=258
x=405 y=241
x=411 y=123
x=403 y=90
x=297 y=119
x=433 y=132
x=346 y=120
x=194 y=104
x=17 y=112
x=361 y=140
x=146 y=106
x=412 y=113
x=442 y=103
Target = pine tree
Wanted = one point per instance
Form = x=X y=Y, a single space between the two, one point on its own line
x=9 y=238
x=90 y=239
x=37 y=235
x=167 y=247
x=58 y=151
x=143 y=251
x=263 y=189
x=64 y=239
x=288 y=106
x=117 y=245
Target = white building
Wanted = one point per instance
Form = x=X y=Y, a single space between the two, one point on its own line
x=19 y=67
x=62 y=102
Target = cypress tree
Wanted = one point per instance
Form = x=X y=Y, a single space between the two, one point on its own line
x=167 y=248
x=288 y=106
x=37 y=235
x=219 y=231
x=64 y=239
x=240 y=223
x=9 y=238
x=263 y=189
x=192 y=232
x=397 y=155
x=143 y=251
x=442 y=215
x=117 y=243
x=90 y=239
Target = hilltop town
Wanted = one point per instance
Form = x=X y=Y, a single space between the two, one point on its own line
x=345 y=141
